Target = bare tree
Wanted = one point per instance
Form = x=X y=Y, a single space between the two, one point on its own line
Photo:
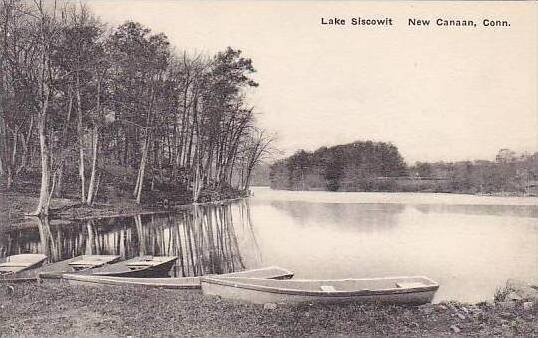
x=256 y=149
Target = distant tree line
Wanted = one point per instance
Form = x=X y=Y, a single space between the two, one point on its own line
x=350 y=167
x=92 y=106
x=378 y=166
x=509 y=173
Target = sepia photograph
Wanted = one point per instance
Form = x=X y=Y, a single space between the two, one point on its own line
x=268 y=168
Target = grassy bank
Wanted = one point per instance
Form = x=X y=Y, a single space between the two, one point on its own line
x=114 y=197
x=14 y=206
x=61 y=309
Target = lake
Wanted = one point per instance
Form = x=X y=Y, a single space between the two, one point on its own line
x=469 y=244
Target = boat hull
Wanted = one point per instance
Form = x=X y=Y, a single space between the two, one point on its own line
x=171 y=282
x=262 y=297
x=155 y=282
x=161 y=270
x=13 y=266
x=240 y=290
x=83 y=263
x=138 y=267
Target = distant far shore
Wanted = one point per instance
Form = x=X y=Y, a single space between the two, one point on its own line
x=493 y=194
x=527 y=205
x=368 y=166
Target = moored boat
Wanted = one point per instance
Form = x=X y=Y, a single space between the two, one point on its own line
x=393 y=290
x=13 y=266
x=84 y=263
x=174 y=282
x=56 y=269
x=138 y=267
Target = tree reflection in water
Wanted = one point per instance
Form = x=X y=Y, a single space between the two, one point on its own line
x=204 y=238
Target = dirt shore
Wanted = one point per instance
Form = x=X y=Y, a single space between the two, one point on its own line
x=62 y=309
x=14 y=206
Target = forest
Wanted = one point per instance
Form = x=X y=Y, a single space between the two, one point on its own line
x=378 y=166
x=89 y=111
x=349 y=167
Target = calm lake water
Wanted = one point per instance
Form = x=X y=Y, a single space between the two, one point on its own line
x=469 y=244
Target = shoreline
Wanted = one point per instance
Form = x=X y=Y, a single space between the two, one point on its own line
x=499 y=194
x=62 y=309
x=145 y=211
x=392 y=197
x=15 y=206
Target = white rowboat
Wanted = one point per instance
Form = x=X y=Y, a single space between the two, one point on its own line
x=173 y=282
x=393 y=290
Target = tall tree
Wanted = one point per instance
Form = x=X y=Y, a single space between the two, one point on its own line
x=46 y=32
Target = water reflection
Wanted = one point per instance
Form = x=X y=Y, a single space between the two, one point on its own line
x=497 y=210
x=470 y=249
x=203 y=238
x=363 y=217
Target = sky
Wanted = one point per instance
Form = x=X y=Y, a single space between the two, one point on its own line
x=436 y=93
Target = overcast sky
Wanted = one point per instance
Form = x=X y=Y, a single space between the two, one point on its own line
x=437 y=94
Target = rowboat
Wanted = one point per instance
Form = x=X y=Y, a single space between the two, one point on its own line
x=142 y=266
x=14 y=265
x=173 y=282
x=55 y=270
x=84 y=263
x=394 y=290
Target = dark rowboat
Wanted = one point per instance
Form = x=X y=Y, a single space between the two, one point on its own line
x=173 y=282
x=138 y=267
x=393 y=290
x=84 y=263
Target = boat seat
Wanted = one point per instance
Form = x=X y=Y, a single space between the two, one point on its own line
x=15 y=264
x=143 y=264
x=408 y=285
x=84 y=266
x=327 y=288
x=93 y=259
x=87 y=262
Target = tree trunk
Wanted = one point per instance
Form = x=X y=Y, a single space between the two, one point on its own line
x=141 y=171
x=24 y=155
x=11 y=171
x=44 y=192
x=80 y=144
x=3 y=141
x=96 y=187
x=59 y=179
x=9 y=178
x=59 y=183
x=91 y=187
